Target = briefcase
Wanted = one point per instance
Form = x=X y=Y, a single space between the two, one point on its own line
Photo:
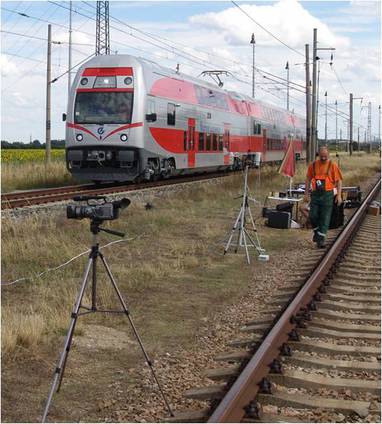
x=337 y=218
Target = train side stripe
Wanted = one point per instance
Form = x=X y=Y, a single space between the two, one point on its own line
x=125 y=127
x=107 y=72
x=78 y=127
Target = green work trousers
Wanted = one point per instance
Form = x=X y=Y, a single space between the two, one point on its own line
x=321 y=206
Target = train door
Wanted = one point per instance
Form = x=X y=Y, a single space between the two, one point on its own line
x=191 y=142
x=264 y=144
x=226 y=144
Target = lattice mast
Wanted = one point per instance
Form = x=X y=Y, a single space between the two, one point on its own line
x=102 y=29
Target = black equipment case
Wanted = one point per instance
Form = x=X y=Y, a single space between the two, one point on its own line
x=279 y=219
x=338 y=216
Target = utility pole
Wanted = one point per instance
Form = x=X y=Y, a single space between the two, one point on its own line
x=253 y=42
x=70 y=49
x=287 y=69
x=336 y=126
x=350 y=124
x=102 y=29
x=326 y=117
x=315 y=84
x=379 y=125
x=369 y=125
x=340 y=135
x=314 y=93
x=358 y=140
x=308 y=110
x=48 y=95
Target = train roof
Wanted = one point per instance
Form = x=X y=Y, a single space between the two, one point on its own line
x=125 y=60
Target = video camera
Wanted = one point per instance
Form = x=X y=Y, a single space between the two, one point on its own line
x=96 y=211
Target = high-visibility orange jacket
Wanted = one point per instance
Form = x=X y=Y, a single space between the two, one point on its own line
x=328 y=171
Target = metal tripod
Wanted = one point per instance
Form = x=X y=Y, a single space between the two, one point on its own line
x=92 y=265
x=244 y=238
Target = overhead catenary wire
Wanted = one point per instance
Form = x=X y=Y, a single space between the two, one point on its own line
x=266 y=30
x=43 y=39
x=167 y=46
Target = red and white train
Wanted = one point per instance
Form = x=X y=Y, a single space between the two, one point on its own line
x=129 y=118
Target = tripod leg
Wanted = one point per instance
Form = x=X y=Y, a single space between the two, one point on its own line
x=127 y=312
x=58 y=372
x=238 y=226
x=258 y=245
x=242 y=224
x=245 y=245
x=232 y=233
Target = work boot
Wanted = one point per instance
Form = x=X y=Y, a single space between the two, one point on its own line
x=320 y=241
x=315 y=236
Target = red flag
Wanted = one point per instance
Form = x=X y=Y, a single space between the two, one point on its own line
x=288 y=165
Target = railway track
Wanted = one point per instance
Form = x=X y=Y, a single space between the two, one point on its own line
x=315 y=353
x=36 y=197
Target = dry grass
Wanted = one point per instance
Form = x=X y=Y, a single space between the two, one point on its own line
x=180 y=239
x=28 y=175
x=173 y=273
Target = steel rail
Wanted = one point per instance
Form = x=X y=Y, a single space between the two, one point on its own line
x=36 y=197
x=244 y=390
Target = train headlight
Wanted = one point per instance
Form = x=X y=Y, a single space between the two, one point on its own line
x=79 y=137
x=128 y=80
x=84 y=81
x=123 y=137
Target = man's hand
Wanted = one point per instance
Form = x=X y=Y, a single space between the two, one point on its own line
x=338 y=199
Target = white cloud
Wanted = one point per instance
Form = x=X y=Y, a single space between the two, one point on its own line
x=287 y=19
x=7 y=66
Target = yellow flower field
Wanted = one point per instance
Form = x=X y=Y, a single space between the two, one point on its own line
x=29 y=155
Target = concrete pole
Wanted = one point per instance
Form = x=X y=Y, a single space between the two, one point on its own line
x=308 y=104
x=253 y=42
x=379 y=125
x=326 y=117
x=358 y=140
x=287 y=69
x=70 y=49
x=336 y=126
x=351 y=124
x=314 y=95
x=48 y=96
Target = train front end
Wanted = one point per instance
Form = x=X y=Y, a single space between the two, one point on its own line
x=104 y=122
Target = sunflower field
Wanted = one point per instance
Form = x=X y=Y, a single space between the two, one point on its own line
x=29 y=155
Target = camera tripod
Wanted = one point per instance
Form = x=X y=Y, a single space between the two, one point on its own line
x=240 y=226
x=94 y=255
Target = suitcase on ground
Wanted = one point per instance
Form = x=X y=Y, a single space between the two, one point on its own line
x=278 y=219
x=337 y=218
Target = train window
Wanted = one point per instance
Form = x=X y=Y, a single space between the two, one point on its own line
x=214 y=141
x=103 y=108
x=185 y=141
x=220 y=142
x=201 y=141
x=208 y=142
x=256 y=129
x=170 y=114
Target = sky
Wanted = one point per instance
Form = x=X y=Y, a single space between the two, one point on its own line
x=197 y=35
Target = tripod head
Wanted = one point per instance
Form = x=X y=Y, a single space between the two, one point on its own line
x=95 y=228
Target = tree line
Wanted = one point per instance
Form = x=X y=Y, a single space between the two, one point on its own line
x=35 y=144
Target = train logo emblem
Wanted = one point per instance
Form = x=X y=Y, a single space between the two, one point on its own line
x=100 y=130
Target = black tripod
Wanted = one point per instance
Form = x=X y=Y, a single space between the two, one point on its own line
x=92 y=264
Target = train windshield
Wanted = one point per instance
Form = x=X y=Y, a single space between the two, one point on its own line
x=103 y=108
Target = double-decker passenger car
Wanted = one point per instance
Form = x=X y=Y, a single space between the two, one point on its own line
x=129 y=118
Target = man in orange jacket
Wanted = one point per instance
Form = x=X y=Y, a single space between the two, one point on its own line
x=326 y=179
